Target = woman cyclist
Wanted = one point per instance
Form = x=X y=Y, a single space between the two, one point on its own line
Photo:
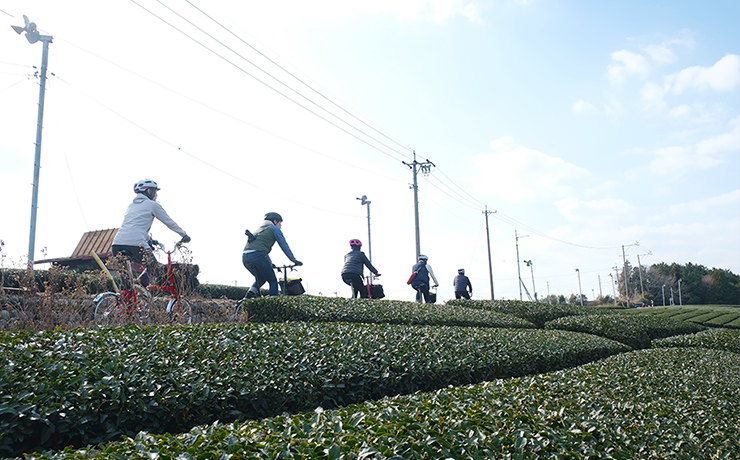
x=353 y=269
x=132 y=238
x=256 y=256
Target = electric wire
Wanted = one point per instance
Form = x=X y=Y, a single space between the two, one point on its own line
x=297 y=78
x=200 y=160
x=230 y=116
x=511 y=221
x=272 y=87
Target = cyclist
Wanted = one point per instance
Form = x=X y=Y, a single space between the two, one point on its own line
x=352 y=271
x=421 y=281
x=132 y=238
x=256 y=256
x=462 y=285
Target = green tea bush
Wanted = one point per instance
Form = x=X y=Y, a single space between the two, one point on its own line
x=637 y=331
x=718 y=339
x=537 y=313
x=221 y=291
x=333 y=309
x=659 y=403
x=63 y=388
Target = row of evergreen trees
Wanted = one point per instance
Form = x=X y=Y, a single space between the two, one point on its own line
x=659 y=284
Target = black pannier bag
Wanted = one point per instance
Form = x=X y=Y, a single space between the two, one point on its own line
x=376 y=291
x=295 y=287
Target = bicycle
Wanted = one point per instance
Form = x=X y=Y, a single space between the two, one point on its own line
x=112 y=308
x=286 y=288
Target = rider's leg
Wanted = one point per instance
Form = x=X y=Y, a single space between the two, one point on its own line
x=355 y=280
x=260 y=266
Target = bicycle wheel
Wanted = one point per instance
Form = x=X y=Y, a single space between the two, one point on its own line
x=109 y=309
x=182 y=313
x=141 y=312
x=237 y=311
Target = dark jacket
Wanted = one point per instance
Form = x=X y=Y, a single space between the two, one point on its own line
x=355 y=261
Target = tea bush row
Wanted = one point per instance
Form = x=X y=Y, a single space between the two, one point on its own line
x=662 y=403
x=333 y=309
x=719 y=339
x=88 y=386
x=537 y=313
x=637 y=331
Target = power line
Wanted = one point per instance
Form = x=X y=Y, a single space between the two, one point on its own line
x=268 y=85
x=210 y=165
x=294 y=76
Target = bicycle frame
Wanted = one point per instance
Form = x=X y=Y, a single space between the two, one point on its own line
x=170 y=286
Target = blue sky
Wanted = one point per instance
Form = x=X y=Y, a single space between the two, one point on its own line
x=585 y=125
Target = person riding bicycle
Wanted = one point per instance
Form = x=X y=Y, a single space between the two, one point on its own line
x=462 y=285
x=421 y=280
x=132 y=238
x=353 y=269
x=256 y=256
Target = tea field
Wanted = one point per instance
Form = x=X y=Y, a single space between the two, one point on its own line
x=313 y=377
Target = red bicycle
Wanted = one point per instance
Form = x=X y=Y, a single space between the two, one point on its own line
x=125 y=305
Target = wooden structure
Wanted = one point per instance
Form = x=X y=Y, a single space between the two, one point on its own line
x=99 y=241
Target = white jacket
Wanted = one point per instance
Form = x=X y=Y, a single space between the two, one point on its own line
x=138 y=221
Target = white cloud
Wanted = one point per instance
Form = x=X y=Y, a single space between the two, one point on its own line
x=682 y=111
x=437 y=11
x=724 y=75
x=627 y=64
x=582 y=107
x=601 y=212
x=519 y=173
x=652 y=96
x=661 y=54
x=678 y=161
x=727 y=142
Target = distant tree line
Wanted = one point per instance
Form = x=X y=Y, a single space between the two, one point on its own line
x=659 y=284
x=680 y=284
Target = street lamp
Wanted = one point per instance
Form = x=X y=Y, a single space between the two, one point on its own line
x=580 y=295
x=534 y=289
x=680 y=302
x=624 y=270
x=33 y=36
x=663 y=289
x=367 y=202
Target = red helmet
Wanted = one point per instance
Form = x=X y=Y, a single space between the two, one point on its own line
x=355 y=242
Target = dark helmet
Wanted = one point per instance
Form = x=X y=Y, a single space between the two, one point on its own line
x=355 y=242
x=273 y=216
x=461 y=271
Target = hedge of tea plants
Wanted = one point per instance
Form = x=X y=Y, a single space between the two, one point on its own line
x=637 y=331
x=537 y=313
x=332 y=309
x=658 y=403
x=76 y=387
x=718 y=338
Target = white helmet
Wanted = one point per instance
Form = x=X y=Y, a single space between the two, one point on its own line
x=144 y=185
x=423 y=257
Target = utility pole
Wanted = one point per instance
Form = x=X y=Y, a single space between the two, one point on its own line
x=624 y=269
x=425 y=168
x=601 y=294
x=680 y=302
x=614 y=291
x=580 y=294
x=367 y=202
x=32 y=35
x=518 y=271
x=639 y=267
x=488 y=239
